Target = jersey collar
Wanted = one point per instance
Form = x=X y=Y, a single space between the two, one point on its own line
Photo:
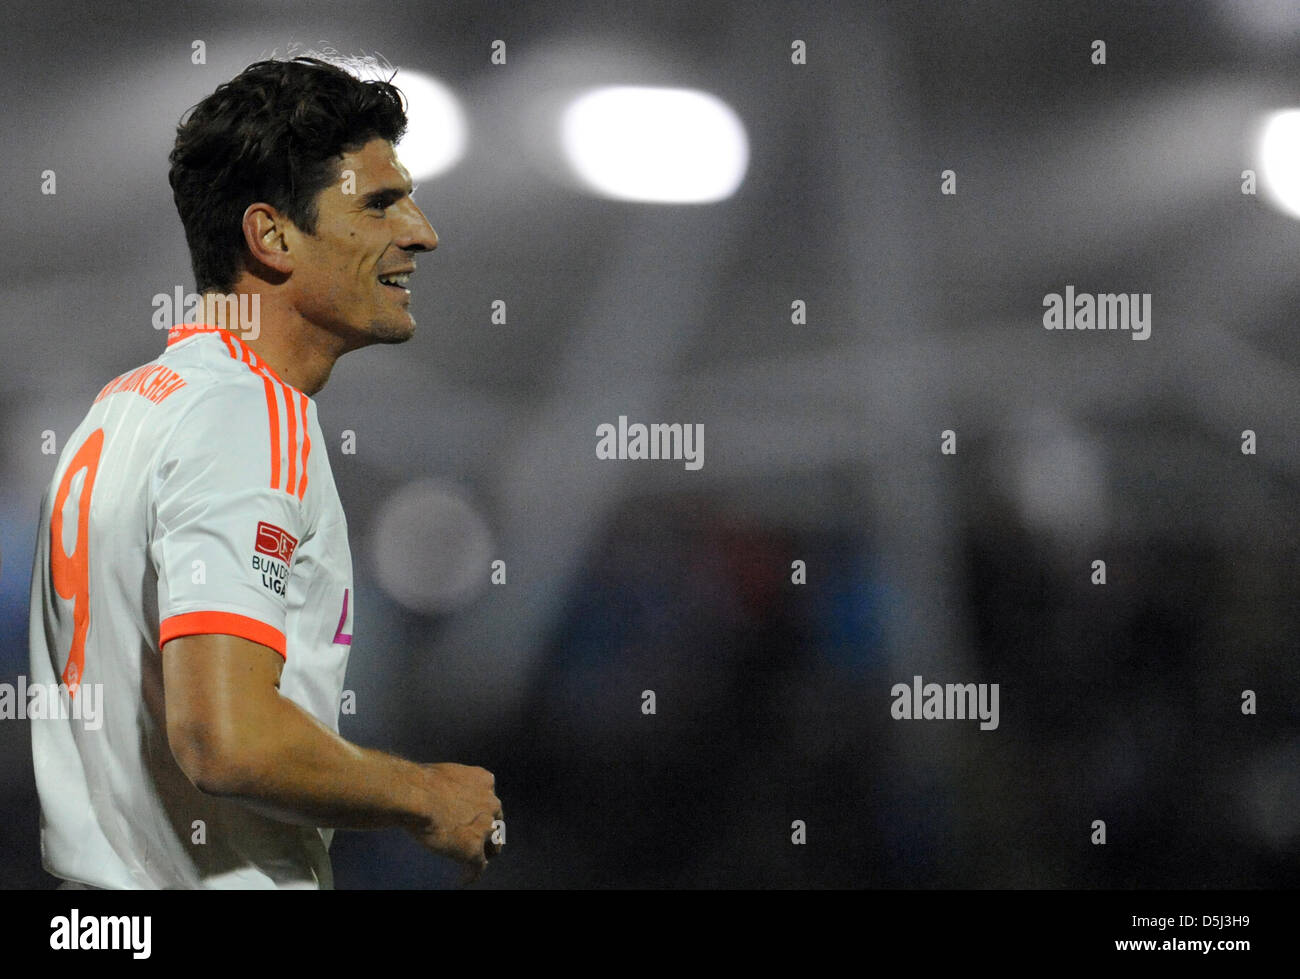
x=236 y=347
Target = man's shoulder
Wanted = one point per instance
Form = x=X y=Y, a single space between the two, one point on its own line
x=222 y=386
x=181 y=375
x=239 y=413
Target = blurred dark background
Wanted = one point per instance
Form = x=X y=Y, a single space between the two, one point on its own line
x=476 y=440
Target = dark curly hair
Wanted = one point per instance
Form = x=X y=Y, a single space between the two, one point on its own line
x=273 y=133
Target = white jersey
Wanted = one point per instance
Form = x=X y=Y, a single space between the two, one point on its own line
x=196 y=497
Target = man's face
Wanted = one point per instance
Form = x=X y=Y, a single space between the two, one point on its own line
x=360 y=236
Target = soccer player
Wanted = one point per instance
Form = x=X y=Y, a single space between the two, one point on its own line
x=192 y=569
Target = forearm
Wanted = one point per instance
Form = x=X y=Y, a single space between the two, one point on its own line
x=291 y=767
x=285 y=763
x=235 y=736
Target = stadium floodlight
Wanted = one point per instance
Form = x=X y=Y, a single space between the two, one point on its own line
x=436 y=133
x=659 y=145
x=1279 y=160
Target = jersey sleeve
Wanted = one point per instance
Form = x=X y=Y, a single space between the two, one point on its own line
x=227 y=514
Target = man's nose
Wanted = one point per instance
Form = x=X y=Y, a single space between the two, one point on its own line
x=420 y=236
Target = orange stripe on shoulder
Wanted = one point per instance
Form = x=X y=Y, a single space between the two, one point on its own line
x=295 y=470
x=273 y=419
x=306 y=444
x=291 y=413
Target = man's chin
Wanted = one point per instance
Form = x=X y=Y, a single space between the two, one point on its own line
x=391 y=332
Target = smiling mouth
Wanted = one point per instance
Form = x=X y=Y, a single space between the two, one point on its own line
x=397 y=281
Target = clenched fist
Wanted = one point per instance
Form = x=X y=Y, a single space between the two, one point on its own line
x=460 y=808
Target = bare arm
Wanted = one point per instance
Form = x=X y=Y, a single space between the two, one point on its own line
x=235 y=736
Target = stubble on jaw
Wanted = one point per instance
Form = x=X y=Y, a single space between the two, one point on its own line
x=389 y=334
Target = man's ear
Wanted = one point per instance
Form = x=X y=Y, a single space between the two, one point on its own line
x=265 y=235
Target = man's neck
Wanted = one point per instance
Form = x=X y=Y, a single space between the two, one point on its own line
x=301 y=353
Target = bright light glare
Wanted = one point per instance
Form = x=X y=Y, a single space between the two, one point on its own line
x=1279 y=160
x=663 y=145
x=435 y=135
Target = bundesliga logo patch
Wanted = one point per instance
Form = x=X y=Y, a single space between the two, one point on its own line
x=277 y=545
x=274 y=542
